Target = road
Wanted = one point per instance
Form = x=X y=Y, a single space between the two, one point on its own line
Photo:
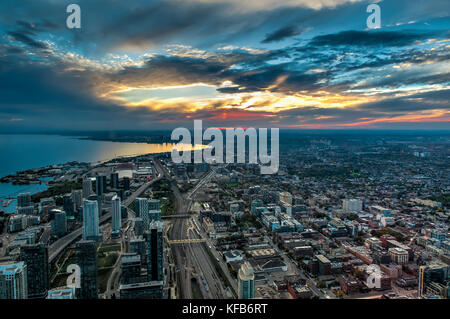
x=216 y=255
x=182 y=263
x=112 y=287
x=188 y=257
x=206 y=270
x=58 y=246
x=114 y=279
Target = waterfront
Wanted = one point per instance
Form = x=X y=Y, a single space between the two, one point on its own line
x=22 y=152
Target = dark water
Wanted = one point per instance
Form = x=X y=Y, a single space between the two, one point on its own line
x=20 y=152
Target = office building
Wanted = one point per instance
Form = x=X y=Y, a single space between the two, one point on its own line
x=324 y=265
x=86 y=258
x=13 y=280
x=58 y=223
x=286 y=197
x=87 y=188
x=352 y=205
x=131 y=268
x=116 y=216
x=126 y=183
x=100 y=185
x=91 y=229
x=77 y=198
x=138 y=227
x=115 y=180
x=154 y=204
x=35 y=258
x=154 y=242
x=246 y=281
x=154 y=215
x=24 y=200
x=398 y=255
x=142 y=290
x=124 y=212
x=431 y=277
x=27 y=210
x=138 y=246
x=141 y=207
x=68 y=205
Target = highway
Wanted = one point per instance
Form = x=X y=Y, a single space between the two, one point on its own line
x=58 y=246
x=216 y=255
x=190 y=257
x=206 y=270
x=182 y=262
x=112 y=286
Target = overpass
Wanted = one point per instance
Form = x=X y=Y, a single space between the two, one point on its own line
x=58 y=246
x=186 y=241
x=175 y=216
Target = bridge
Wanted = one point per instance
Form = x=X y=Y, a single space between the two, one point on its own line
x=186 y=241
x=175 y=216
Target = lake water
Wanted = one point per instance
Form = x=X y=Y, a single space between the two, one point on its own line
x=20 y=152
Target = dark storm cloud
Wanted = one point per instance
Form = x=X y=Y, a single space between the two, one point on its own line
x=42 y=89
x=282 y=33
x=42 y=96
x=370 y=38
x=411 y=103
x=172 y=70
x=25 y=39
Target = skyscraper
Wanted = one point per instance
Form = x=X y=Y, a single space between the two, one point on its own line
x=68 y=204
x=131 y=268
x=154 y=215
x=87 y=187
x=77 y=198
x=154 y=204
x=115 y=180
x=86 y=257
x=141 y=210
x=116 y=215
x=91 y=230
x=24 y=200
x=35 y=258
x=154 y=243
x=140 y=206
x=138 y=246
x=154 y=210
x=58 y=223
x=246 y=281
x=126 y=183
x=100 y=185
x=13 y=281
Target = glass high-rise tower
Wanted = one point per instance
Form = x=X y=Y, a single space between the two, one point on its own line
x=91 y=229
x=35 y=258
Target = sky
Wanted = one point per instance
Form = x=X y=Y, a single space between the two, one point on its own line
x=292 y=64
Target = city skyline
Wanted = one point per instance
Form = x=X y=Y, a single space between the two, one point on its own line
x=162 y=64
